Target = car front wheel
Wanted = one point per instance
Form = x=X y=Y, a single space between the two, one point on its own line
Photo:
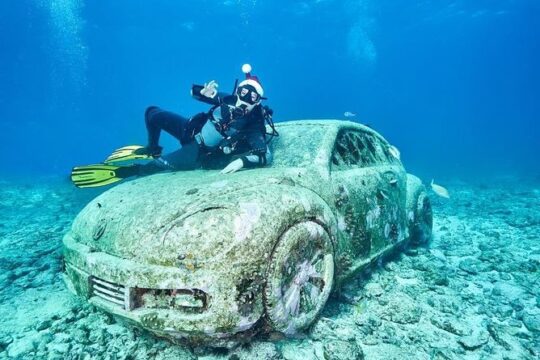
x=300 y=277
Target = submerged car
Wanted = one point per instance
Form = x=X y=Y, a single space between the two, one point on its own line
x=212 y=258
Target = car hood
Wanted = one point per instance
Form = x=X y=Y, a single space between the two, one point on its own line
x=187 y=218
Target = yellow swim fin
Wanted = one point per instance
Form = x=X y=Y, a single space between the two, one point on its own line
x=131 y=152
x=100 y=174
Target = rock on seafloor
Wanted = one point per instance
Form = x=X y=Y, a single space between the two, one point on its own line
x=473 y=293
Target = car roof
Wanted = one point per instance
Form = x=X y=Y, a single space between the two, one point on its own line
x=330 y=123
x=305 y=142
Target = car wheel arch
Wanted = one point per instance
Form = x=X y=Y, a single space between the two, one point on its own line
x=419 y=212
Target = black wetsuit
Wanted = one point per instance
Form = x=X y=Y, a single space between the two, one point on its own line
x=226 y=128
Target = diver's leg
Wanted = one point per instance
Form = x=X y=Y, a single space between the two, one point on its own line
x=157 y=119
x=186 y=158
x=152 y=167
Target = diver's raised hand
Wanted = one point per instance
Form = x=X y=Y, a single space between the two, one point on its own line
x=233 y=166
x=210 y=89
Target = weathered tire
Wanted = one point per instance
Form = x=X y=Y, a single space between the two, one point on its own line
x=300 y=277
x=423 y=221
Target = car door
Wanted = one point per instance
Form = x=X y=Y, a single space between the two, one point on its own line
x=386 y=205
x=366 y=193
x=352 y=181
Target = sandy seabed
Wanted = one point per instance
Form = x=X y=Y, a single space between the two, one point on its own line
x=473 y=293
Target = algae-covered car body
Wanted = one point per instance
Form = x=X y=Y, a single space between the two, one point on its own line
x=213 y=258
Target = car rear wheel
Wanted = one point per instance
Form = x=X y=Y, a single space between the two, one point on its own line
x=423 y=221
x=300 y=277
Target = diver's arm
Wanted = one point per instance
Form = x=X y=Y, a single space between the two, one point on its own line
x=256 y=159
x=246 y=162
x=259 y=155
x=208 y=93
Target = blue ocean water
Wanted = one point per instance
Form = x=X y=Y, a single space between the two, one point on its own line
x=454 y=84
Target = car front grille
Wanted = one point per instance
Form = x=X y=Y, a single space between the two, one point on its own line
x=109 y=291
x=126 y=298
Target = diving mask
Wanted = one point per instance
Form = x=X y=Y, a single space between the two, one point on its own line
x=247 y=94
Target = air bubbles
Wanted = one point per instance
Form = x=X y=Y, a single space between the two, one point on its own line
x=69 y=54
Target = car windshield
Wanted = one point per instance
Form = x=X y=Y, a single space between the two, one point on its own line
x=297 y=145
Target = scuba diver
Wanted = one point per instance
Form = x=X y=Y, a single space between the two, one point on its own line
x=231 y=133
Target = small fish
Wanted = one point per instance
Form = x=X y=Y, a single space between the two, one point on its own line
x=439 y=190
x=349 y=114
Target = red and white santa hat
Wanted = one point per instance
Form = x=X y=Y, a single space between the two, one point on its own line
x=251 y=80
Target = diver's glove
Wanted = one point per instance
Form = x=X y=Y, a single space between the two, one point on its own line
x=210 y=89
x=233 y=166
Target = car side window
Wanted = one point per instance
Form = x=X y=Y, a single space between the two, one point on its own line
x=345 y=153
x=381 y=150
x=391 y=159
x=369 y=151
x=357 y=149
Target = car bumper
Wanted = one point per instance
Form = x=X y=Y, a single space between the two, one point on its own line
x=115 y=285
